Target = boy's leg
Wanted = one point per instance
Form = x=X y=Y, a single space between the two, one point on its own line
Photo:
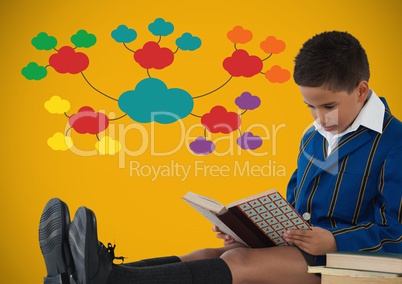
x=212 y=270
x=208 y=253
x=53 y=240
x=153 y=261
x=94 y=262
x=268 y=265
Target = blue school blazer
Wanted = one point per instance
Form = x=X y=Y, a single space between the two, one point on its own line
x=356 y=191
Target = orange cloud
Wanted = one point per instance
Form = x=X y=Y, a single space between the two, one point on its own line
x=272 y=45
x=277 y=75
x=239 y=35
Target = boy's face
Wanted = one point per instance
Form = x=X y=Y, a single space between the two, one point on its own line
x=335 y=111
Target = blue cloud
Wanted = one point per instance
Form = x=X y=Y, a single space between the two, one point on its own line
x=153 y=101
x=124 y=34
x=188 y=42
x=160 y=27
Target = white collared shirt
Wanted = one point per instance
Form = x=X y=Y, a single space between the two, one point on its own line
x=370 y=116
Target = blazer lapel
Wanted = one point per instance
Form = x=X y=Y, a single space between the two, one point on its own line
x=348 y=144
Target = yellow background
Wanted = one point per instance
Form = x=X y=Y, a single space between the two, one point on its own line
x=147 y=218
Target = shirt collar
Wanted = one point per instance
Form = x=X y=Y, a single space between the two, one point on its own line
x=370 y=116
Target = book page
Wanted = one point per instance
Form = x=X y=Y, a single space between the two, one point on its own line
x=205 y=202
x=364 y=260
x=253 y=197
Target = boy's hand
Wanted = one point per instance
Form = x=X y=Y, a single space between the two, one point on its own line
x=227 y=240
x=316 y=241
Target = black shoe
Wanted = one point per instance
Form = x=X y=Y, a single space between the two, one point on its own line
x=93 y=261
x=53 y=240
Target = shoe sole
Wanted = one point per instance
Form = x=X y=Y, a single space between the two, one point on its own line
x=53 y=236
x=82 y=228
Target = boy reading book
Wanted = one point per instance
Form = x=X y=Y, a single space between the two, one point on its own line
x=348 y=179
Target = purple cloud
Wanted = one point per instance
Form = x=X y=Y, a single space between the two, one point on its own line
x=202 y=146
x=249 y=141
x=247 y=101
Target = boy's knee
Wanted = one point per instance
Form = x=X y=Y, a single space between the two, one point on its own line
x=236 y=257
x=209 y=253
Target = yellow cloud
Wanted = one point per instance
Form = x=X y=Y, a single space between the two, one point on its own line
x=57 y=105
x=59 y=142
x=108 y=146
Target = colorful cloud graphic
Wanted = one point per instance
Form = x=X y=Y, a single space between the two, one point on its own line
x=34 y=72
x=43 y=41
x=188 y=42
x=201 y=146
x=277 y=75
x=239 y=35
x=88 y=121
x=153 y=101
x=219 y=120
x=124 y=34
x=248 y=141
x=59 y=142
x=57 y=105
x=67 y=60
x=160 y=27
x=153 y=56
x=83 y=39
x=272 y=45
x=247 y=101
x=242 y=64
x=108 y=146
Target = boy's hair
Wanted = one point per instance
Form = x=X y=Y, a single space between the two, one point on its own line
x=334 y=60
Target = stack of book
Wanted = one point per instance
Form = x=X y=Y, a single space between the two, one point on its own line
x=360 y=267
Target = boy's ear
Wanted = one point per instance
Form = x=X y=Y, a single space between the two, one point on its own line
x=363 y=89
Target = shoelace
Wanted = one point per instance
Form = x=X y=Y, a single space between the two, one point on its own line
x=110 y=249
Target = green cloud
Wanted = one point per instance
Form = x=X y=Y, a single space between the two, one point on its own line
x=44 y=42
x=34 y=72
x=83 y=39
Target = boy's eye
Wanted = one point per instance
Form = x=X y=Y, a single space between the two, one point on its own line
x=329 y=107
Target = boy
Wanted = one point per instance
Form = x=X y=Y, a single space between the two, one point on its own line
x=348 y=181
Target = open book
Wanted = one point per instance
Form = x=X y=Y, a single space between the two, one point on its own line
x=257 y=221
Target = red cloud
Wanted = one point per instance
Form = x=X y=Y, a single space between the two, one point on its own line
x=220 y=120
x=153 y=56
x=88 y=121
x=66 y=60
x=242 y=64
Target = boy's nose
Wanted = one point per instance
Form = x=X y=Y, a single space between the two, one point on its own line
x=321 y=117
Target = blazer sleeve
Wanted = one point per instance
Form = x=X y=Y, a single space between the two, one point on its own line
x=385 y=234
x=291 y=189
x=293 y=182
